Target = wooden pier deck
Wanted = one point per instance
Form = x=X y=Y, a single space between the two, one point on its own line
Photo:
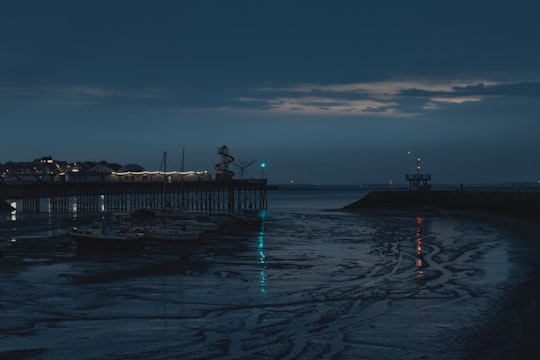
x=212 y=197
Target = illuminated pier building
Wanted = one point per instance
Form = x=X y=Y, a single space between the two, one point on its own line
x=49 y=185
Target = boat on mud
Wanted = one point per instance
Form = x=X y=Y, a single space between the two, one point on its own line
x=102 y=236
x=195 y=225
x=171 y=233
x=246 y=218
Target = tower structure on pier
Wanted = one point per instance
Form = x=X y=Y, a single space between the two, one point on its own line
x=419 y=181
x=222 y=169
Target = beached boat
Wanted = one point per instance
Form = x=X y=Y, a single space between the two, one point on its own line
x=171 y=233
x=246 y=218
x=195 y=225
x=100 y=235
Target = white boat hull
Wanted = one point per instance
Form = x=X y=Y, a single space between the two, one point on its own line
x=101 y=237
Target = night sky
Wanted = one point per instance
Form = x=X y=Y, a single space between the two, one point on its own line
x=330 y=92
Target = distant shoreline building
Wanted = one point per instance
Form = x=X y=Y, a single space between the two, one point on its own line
x=134 y=173
x=48 y=170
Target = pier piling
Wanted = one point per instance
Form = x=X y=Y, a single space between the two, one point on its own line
x=213 y=197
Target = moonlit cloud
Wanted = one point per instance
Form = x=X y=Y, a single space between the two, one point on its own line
x=456 y=100
x=314 y=105
x=382 y=89
x=430 y=106
x=396 y=98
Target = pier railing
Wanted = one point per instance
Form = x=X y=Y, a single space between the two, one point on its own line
x=202 y=196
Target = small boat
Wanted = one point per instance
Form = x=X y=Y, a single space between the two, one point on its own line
x=171 y=233
x=246 y=218
x=195 y=225
x=166 y=232
x=100 y=235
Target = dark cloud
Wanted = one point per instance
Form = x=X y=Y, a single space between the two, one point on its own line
x=522 y=88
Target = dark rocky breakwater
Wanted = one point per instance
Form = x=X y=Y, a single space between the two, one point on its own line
x=525 y=205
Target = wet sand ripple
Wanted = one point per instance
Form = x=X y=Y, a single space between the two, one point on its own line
x=337 y=285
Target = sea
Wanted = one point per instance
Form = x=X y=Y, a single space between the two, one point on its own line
x=311 y=282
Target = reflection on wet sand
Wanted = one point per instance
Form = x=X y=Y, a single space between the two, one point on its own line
x=420 y=264
x=260 y=247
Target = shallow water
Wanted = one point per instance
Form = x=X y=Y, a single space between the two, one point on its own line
x=306 y=284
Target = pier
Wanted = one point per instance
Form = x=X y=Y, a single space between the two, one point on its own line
x=212 y=197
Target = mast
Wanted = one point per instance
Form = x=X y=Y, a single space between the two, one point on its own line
x=182 y=179
x=164 y=162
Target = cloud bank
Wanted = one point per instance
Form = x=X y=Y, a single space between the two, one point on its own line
x=392 y=98
x=388 y=98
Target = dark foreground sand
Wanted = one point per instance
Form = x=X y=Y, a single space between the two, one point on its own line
x=513 y=329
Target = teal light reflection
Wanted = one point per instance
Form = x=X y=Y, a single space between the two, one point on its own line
x=262 y=256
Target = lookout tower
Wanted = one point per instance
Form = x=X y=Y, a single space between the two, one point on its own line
x=418 y=181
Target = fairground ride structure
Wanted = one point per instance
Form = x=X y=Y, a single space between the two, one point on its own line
x=222 y=168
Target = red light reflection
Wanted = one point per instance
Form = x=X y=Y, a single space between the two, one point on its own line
x=418 y=239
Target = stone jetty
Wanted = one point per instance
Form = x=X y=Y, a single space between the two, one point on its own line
x=524 y=205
